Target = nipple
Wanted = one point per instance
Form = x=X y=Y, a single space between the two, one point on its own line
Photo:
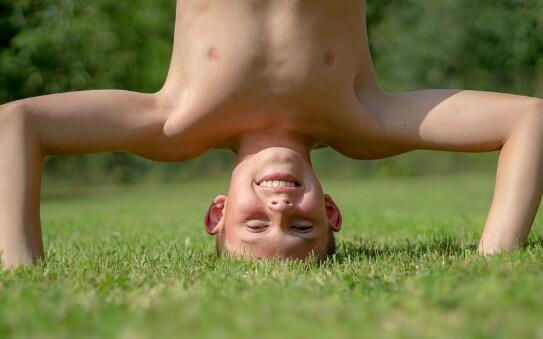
x=213 y=54
x=329 y=57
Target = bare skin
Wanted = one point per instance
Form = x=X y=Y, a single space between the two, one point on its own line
x=298 y=72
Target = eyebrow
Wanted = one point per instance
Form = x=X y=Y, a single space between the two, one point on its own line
x=250 y=242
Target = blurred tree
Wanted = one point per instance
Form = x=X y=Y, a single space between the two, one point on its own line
x=487 y=45
x=67 y=45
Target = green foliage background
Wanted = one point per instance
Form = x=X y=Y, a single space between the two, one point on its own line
x=50 y=46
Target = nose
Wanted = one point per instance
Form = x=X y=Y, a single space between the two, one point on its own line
x=280 y=205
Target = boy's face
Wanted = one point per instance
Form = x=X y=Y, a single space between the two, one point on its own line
x=275 y=207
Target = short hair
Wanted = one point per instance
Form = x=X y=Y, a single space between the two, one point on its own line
x=330 y=249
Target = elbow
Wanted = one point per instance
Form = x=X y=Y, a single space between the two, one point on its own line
x=533 y=118
x=12 y=113
x=529 y=121
x=14 y=117
x=534 y=113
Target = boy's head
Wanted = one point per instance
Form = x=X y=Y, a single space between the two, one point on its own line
x=275 y=207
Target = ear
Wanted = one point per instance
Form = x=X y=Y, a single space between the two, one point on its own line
x=333 y=214
x=214 y=215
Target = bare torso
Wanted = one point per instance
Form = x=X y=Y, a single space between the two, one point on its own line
x=299 y=66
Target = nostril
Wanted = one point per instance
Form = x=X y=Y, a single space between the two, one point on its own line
x=287 y=202
x=274 y=202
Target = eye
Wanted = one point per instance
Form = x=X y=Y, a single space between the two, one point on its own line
x=257 y=228
x=302 y=228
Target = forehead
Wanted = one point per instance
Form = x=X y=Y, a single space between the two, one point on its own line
x=269 y=247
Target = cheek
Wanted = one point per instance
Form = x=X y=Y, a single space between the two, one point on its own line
x=313 y=205
x=248 y=204
x=241 y=194
x=242 y=203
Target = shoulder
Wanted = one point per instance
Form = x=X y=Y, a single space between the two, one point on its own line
x=178 y=137
x=370 y=133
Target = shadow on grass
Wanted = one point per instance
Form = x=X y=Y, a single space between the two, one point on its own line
x=371 y=249
x=446 y=245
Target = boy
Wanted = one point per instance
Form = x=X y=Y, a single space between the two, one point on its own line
x=271 y=80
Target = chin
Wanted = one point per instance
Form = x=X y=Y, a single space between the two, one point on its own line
x=280 y=155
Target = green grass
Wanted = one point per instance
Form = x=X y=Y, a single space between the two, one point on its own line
x=135 y=262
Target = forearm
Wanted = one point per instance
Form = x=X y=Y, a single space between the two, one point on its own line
x=70 y=123
x=471 y=121
x=518 y=189
x=20 y=172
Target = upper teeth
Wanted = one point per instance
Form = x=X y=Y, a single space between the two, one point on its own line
x=277 y=183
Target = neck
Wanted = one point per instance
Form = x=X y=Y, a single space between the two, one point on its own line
x=251 y=143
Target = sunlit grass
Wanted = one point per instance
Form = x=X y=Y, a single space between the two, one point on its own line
x=135 y=262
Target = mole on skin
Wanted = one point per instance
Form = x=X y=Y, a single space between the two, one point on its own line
x=329 y=57
x=213 y=54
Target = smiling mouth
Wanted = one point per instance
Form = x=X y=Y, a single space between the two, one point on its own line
x=278 y=180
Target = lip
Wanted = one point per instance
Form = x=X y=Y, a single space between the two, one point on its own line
x=279 y=189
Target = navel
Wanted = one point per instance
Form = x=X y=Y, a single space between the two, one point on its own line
x=329 y=57
x=213 y=54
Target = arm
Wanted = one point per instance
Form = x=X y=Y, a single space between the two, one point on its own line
x=470 y=121
x=71 y=123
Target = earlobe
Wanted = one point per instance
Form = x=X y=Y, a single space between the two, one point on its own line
x=214 y=215
x=335 y=220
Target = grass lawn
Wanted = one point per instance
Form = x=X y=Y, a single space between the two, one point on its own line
x=135 y=262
